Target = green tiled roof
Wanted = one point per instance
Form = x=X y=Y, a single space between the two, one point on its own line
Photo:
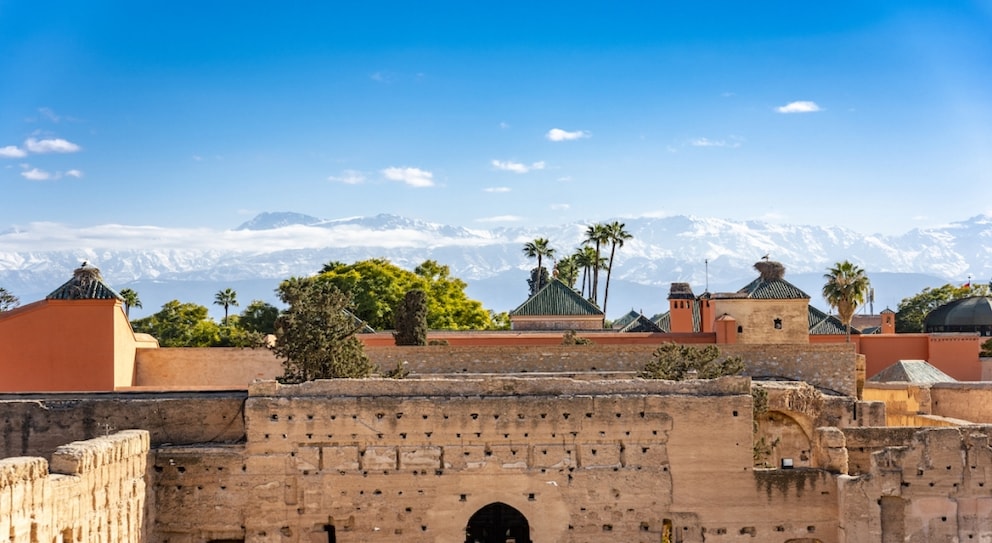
x=86 y=284
x=772 y=289
x=639 y=324
x=557 y=299
x=626 y=319
x=821 y=323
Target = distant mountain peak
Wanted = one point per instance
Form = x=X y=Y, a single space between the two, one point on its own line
x=278 y=219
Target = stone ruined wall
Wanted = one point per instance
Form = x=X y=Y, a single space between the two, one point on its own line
x=413 y=460
x=829 y=366
x=37 y=425
x=95 y=492
x=968 y=401
x=930 y=485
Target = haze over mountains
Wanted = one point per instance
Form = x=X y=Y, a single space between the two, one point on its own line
x=193 y=264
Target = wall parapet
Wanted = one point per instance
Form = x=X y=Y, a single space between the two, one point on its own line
x=81 y=457
x=502 y=386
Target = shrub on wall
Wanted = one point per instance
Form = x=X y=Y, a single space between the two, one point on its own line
x=411 y=319
x=677 y=362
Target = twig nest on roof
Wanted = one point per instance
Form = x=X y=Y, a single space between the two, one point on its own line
x=770 y=270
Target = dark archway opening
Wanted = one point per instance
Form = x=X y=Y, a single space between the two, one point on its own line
x=497 y=523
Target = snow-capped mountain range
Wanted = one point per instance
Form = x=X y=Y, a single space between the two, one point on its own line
x=192 y=264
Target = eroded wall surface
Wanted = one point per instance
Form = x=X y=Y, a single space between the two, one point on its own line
x=94 y=493
x=414 y=460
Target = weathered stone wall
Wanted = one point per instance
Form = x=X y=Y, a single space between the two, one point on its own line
x=932 y=485
x=413 y=460
x=95 y=492
x=830 y=366
x=37 y=425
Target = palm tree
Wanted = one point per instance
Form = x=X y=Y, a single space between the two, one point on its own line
x=226 y=298
x=538 y=248
x=567 y=270
x=130 y=299
x=596 y=234
x=845 y=289
x=617 y=237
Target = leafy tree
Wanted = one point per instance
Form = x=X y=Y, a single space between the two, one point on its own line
x=7 y=300
x=596 y=235
x=411 y=319
x=567 y=270
x=986 y=349
x=616 y=235
x=912 y=311
x=226 y=298
x=846 y=288
x=539 y=248
x=259 y=317
x=674 y=362
x=130 y=299
x=180 y=325
x=448 y=307
x=377 y=287
x=538 y=276
x=499 y=321
x=315 y=335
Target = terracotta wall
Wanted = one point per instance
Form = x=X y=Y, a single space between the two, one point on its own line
x=62 y=345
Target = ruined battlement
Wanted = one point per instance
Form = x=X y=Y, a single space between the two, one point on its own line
x=92 y=491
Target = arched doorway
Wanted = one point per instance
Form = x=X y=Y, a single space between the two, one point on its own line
x=497 y=523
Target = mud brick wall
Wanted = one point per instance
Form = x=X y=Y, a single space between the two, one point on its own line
x=94 y=493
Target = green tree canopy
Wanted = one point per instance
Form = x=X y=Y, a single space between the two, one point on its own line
x=180 y=325
x=226 y=298
x=259 y=317
x=845 y=289
x=130 y=299
x=673 y=361
x=377 y=287
x=7 y=300
x=315 y=334
x=912 y=311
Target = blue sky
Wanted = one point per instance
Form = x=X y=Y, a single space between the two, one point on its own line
x=875 y=115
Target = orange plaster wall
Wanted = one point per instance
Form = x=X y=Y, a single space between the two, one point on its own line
x=956 y=355
x=59 y=345
x=124 y=349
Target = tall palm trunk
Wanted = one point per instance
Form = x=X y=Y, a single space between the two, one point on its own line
x=609 y=272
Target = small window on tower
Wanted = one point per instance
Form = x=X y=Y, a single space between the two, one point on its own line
x=778 y=324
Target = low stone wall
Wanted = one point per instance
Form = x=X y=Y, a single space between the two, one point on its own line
x=831 y=366
x=95 y=492
x=38 y=425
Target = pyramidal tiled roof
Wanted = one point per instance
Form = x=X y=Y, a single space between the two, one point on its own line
x=556 y=298
x=639 y=324
x=821 y=323
x=626 y=319
x=772 y=289
x=86 y=284
x=912 y=371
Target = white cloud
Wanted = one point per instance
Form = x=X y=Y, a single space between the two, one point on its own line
x=55 y=145
x=12 y=151
x=517 y=167
x=504 y=125
x=49 y=114
x=59 y=237
x=415 y=177
x=74 y=173
x=348 y=177
x=560 y=207
x=496 y=189
x=706 y=142
x=34 y=174
x=801 y=106
x=557 y=134
x=565 y=179
x=500 y=218
x=381 y=77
